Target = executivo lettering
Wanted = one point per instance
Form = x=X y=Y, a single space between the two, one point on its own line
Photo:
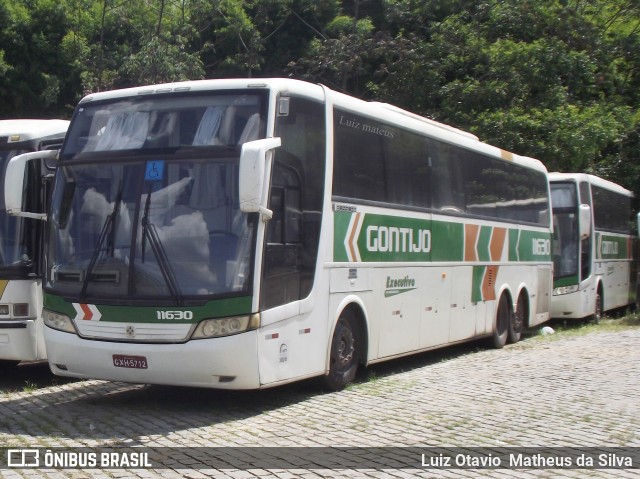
x=405 y=282
x=395 y=286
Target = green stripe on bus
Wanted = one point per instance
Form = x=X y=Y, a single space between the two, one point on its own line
x=394 y=238
x=534 y=246
x=566 y=281
x=447 y=241
x=514 y=238
x=341 y=221
x=476 y=285
x=483 y=243
x=369 y=237
x=147 y=314
x=612 y=247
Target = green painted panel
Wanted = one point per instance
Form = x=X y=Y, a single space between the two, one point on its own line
x=149 y=314
x=394 y=238
x=534 y=246
x=566 y=281
x=448 y=241
x=514 y=237
x=612 y=247
x=371 y=237
x=341 y=221
x=483 y=243
x=476 y=286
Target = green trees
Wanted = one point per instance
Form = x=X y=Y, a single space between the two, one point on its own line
x=556 y=80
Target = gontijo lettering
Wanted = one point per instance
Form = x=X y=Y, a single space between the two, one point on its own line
x=393 y=239
x=609 y=247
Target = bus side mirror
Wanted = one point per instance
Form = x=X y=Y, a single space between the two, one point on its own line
x=254 y=171
x=14 y=183
x=584 y=212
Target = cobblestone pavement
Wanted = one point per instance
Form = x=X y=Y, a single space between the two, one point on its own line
x=570 y=391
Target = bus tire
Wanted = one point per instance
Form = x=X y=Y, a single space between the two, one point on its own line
x=518 y=322
x=597 y=314
x=503 y=320
x=344 y=356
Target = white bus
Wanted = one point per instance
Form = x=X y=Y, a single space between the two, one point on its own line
x=21 y=240
x=593 y=246
x=248 y=233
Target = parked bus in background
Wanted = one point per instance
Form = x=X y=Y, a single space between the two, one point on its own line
x=248 y=233
x=21 y=239
x=594 y=268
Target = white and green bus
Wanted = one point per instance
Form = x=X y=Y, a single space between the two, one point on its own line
x=248 y=233
x=21 y=238
x=593 y=246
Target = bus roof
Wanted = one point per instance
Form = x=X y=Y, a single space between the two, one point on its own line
x=592 y=179
x=25 y=130
x=426 y=120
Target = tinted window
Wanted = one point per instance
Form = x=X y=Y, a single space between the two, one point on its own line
x=471 y=183
x=585 y=193
x=563 y=195
x=378 y=162
x=612 y=211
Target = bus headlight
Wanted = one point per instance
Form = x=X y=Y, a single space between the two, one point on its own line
x=565 y=290
x=215 y=328
x=58 y=321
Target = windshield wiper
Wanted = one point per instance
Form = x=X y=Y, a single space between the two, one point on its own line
x=108 y=229
x=149 y=231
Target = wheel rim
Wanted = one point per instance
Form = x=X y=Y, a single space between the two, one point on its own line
x=345 y=349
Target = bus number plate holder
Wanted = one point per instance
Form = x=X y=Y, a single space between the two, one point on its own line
x=132 y=362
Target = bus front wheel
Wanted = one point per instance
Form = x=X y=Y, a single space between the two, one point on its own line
x=344 y=359
x=597 y=315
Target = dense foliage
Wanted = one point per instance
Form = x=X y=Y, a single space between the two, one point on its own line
x=558 y=80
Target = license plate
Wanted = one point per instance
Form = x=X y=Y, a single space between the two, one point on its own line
x=133 y=362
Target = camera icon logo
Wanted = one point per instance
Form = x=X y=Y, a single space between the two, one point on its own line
x=23 y=458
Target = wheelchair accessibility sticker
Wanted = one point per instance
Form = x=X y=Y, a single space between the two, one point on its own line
x=154 y=171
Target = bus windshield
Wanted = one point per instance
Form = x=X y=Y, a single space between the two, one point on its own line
x=17 y=248
x=224 y=119
x=162 y=221
x=565 y=229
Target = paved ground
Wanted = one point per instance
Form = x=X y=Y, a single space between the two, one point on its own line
x=578 y=391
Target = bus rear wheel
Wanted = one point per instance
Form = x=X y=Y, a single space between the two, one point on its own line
x=518 y=320
x=504 y=319
x=344 y=358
